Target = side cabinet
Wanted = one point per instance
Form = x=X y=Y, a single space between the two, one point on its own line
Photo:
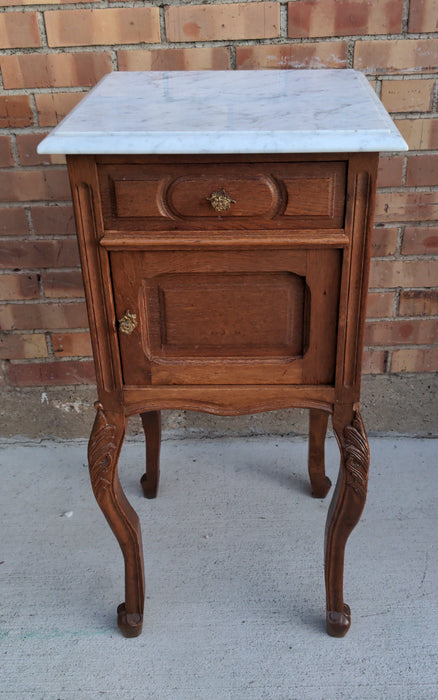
x=224 y=221
x=229 y=285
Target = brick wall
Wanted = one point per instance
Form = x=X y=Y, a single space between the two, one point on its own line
x=51 y=53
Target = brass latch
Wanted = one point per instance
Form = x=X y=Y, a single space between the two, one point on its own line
x=128 y=323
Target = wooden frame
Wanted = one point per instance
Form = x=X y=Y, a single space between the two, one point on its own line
x=335 y=392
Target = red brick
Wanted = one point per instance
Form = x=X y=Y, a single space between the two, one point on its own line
x=328 y=54
x=387 y=274
x=63 y=284
x=423 y=16
x=399 y=332
x=22 y=347
x=417 y=302
x=130 y=25
x=51 y=373
x=6 y=159
x=314 y=18
x=398 y=55
x=27 y=145
x=408 y=95
x=384 y=242
x=46 y=2
x=22 y=286
x=380 y=304
x=419 y=133
x=210 y=58
x=53 y=221
x=406 y=206
x=54 y=70
x=254 y=20
x=373 y=83
x=422 y=171
x=54 y=106
x=19 y=30
x=72 y=344
x=31 y=185
x=13 y=222
x=42 y=315
x=39 y=253
x=414 y=360
x=421 y=240
x=15 y=111
x=374 y=361
x=390 y=171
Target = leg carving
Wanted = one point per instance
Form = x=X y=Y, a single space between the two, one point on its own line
x=152 y=430
x=103 y=454
x=344 y=513
x=319 y=482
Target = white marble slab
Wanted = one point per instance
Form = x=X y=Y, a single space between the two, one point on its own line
x=268 y=111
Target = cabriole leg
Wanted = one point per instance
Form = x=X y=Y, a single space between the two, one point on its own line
x=344 y=513
x=319 y=482
x=103 y=455
x=152 y=431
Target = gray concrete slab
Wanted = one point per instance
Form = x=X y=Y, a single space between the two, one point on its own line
x=394 y=404
x=234 y=556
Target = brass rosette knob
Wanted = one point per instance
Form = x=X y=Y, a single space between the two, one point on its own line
x=220 y=201
x=128 y=323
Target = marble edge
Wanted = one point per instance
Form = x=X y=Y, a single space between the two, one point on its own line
x=53 y=134
x=383 y=113
x=212 y=142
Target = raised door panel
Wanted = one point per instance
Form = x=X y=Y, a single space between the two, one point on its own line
x=228 y=317
x=231 y=314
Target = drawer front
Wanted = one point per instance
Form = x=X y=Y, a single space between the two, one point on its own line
x=211 y=196
x=228 y=318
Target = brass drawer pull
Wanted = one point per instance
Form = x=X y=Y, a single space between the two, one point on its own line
x=128 y=323
x=220 y=200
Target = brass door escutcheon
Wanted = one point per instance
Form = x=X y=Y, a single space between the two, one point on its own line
x=128 y=323
x=220 y=200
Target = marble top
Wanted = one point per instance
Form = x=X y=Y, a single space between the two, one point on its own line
x=266 y=111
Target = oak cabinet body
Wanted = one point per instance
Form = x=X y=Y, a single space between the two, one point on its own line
x=257 y=307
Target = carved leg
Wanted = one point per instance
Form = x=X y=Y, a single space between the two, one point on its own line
x=103 y=455
x=344 y=513
x=319 y=482
x=152 y=430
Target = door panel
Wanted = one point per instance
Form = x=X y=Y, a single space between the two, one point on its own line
x=211 y=315
x=228 y=317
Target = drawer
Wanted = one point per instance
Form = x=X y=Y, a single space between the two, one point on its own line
x=208 y=196
x=227 y=317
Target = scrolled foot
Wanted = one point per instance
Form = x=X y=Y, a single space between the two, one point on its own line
x=150 y=487
x=321 y=490
x=338 y=623
x=130 y=624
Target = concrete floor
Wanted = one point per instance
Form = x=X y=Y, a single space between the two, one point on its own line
x=233 y=556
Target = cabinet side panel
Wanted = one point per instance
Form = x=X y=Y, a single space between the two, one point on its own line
x=358 y=227
x=96 y=274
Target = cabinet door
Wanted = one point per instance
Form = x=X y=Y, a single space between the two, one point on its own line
x=228 y=317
